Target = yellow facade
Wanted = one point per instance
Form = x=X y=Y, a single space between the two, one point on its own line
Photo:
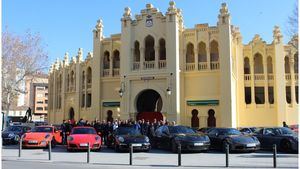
x=156 y=64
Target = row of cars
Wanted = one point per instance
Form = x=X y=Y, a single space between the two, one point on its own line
x=165 y=137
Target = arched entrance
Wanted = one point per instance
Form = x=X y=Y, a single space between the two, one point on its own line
x=109 y=116
x=149 y=104
x=211 y=120
x=71 y=113
x=195 y=119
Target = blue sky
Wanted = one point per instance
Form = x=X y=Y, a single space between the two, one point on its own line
x=66 y=25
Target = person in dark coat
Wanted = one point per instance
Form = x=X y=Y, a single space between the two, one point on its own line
x=63 y=133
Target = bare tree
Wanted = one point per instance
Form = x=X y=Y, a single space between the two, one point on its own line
x=22 y=57
x=292 y=26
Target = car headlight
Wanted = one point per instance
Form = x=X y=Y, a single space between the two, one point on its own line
x=147 y=139
x=70 y=138
x=121 y=139
x=11 y=135
x=47 y=136
x=97 y=138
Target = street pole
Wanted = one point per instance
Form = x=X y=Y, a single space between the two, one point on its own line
x=49 y=149
x=20 y=145
x=274 y=156
x=179 y=154
x=227 y=155
x=88 y=153
x=130 y=154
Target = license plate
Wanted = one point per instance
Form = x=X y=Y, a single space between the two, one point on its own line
x=32 y=141
x=83 y=145
x=136 y=145
x=251 y=145
x=198 y=144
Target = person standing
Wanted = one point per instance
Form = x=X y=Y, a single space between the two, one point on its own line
x=28 y=115
x=64 y=132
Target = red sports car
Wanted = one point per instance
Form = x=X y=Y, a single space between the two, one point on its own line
x=81 y=136
x=40 y=136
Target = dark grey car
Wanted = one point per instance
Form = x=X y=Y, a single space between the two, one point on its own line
x=12 y=134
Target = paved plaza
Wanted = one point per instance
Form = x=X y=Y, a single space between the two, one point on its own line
x=107 y=158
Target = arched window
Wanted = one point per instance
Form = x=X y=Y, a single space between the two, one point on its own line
x=211 y=120
x=83 y=79
x=162 y=49
x=106 y=60
x=60 y=82
x=72 y=77
x=149 y=48
x=136 y=51
x=246 y=65
x=116 y=59
x=190 y=53
x=258 y=64
x=89 y=75
x=195 y=119
x=214 y=51
x=296 y=64
x=287 y=65
x=202 y=52
x=269 y=65
x=68 y=82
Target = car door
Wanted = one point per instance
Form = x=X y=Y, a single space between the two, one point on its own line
x=165 y=137
x=57 y=135
x=157 y=138
x=268 y=138
x=213 y=136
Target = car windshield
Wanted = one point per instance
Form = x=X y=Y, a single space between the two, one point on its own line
x=127 y=131
x=83 y=131
x=14 y=128
x=285 y=130
x=180 y=129
x=230 y=132
x=42 y=129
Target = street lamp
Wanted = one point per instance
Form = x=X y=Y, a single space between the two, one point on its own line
x=122 y=89
x=169 y=92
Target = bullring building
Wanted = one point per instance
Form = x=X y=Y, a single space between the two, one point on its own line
x=157 y=68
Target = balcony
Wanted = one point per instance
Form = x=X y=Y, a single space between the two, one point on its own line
x=214 y=65
x=288 y=77
x=259 y=77
x=89 y=85
x=247 y=77
x=105 y=72
x=190 y=66
x=149 y=64
x=116 y=71
x=136 y=66
x=162 y=64
x=202 y=66
x=270 y=77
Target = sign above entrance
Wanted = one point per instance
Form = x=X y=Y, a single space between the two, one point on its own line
x=202 y=102
x=147 y=78
x=111 y=104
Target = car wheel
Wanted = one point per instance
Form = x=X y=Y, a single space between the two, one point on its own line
x=174 y=147
x=286 y=146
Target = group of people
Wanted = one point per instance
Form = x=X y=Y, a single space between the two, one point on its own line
x=107 y=127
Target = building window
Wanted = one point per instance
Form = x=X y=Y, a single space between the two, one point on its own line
x=89 y=100
x=46 y=94
x=246 y=65
x=288 y=94
x=296 y=65
x=39 y=108
x=190 y=53
x=83 y=100
x=271 y=95
x=248 y=95
x=259 y=95
x=116 y=59
x=202 y=52
x=106 y=60
x=269 y=65
x=46 y=108
x=136 y=51
x=89 y=75
x=214 y=51
x=162 y=49
x=258 y=64
x=149 y=48
x=287 y=65
x=83 y=79
x=40 y=88
x=46 y=101
x=297 y=93
x=40 y=102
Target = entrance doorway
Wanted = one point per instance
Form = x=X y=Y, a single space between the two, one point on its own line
x=195 y=119
x=71 y=113
x=149 y=104
x=211 y=120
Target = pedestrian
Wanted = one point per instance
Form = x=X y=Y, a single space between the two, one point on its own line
x=284 y=124
x=63 y=133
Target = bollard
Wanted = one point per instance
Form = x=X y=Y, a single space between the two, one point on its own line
x=227 y=154
x=130 y=154
x=20 y=146
x=49 y=149
x=179 y=154
x=88 y=153
x=274 y=156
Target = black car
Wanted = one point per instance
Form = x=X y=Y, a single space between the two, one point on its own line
x=12 y=134
x=248 y=130
x=204 y=129
x=169 y=137
x=219 y=137
x=123 y=137
x=285 y=139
